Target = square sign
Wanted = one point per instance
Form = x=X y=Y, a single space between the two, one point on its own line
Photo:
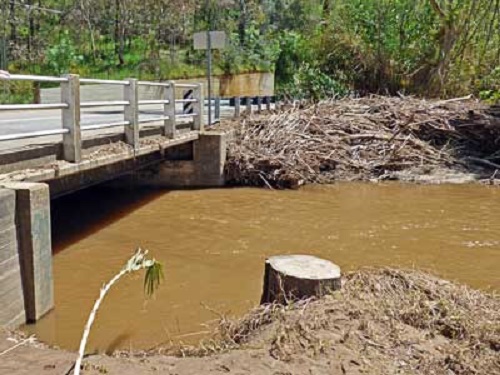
x=217 y=40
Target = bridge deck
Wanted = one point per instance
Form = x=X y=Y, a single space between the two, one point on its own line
x=105 y=158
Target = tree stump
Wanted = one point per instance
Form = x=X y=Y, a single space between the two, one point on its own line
x=289 y=278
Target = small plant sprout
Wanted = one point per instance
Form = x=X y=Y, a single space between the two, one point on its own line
x=152 y=279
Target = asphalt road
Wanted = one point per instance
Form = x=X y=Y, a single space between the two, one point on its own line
x=15 y=122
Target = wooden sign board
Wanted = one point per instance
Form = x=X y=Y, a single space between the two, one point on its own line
x=217 y=40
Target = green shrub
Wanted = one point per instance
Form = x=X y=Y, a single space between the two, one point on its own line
x=311 y=83
x=61 y=57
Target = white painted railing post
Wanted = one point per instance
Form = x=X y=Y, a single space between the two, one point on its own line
x=169 y=110
x=131 y=94
x=199 y=106
x=72 y=140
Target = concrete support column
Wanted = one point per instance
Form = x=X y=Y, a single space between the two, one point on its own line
x=169 y=110
x=12 y=312
x=35 y=247
x=209 y=159
x=198 y=164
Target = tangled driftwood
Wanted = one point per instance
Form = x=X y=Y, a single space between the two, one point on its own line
x=361 y=139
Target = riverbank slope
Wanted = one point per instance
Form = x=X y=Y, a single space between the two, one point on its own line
x=383 y=321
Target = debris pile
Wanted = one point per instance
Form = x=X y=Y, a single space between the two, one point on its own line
x=383 y=321
x=363 y=139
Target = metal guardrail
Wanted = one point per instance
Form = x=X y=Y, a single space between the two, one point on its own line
x=70 y=107
x=17 y=107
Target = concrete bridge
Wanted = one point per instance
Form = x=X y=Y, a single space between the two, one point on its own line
x=169 y=150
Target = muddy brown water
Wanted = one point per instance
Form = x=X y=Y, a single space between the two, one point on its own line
x=213 y=244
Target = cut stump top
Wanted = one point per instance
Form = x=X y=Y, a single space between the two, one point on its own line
x=304 y=267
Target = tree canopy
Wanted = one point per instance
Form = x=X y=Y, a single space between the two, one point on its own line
x=320 y=47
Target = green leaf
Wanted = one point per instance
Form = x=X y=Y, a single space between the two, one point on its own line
x=153 y=278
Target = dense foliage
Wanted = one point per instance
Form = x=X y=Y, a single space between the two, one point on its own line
x=316 y=47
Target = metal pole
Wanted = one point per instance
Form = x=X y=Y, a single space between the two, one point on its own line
x=209 y=75
x=209 y=61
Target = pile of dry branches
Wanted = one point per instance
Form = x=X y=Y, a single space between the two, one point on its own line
x=362 y=139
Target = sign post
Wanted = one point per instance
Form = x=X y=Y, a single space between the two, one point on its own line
x=209 y=40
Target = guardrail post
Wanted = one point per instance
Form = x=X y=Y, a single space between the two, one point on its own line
x=259 y=104
x=237 y=106
x=198 y=119
x=169 y=110
x=249 y=105
x=217 y=109
x=268 y=103
x=131 y=94
x=72 y=141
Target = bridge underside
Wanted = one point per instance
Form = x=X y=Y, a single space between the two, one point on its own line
x=33 y=176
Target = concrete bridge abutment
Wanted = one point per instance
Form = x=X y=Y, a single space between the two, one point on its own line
x=198 y=164
x=26 y=281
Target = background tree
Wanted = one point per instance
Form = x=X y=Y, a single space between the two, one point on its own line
x=426 y=47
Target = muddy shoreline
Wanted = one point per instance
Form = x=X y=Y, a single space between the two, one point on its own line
x=384 y=321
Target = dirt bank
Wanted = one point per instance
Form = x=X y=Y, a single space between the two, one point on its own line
x=373 y=138
x=382 y=322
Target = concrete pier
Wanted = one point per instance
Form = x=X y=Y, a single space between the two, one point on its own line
x=197 y=164
x=28 y=256
x=12 y=312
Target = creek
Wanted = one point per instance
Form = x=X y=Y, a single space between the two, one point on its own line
x=213 y=244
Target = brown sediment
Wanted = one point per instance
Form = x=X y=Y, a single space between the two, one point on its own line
x=374 y=137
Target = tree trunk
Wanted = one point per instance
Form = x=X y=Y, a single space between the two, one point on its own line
x=12 y=18
x=325 y=13
x=31 y=28
x=290 y=278
x=242 y=22
x=117 y=29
